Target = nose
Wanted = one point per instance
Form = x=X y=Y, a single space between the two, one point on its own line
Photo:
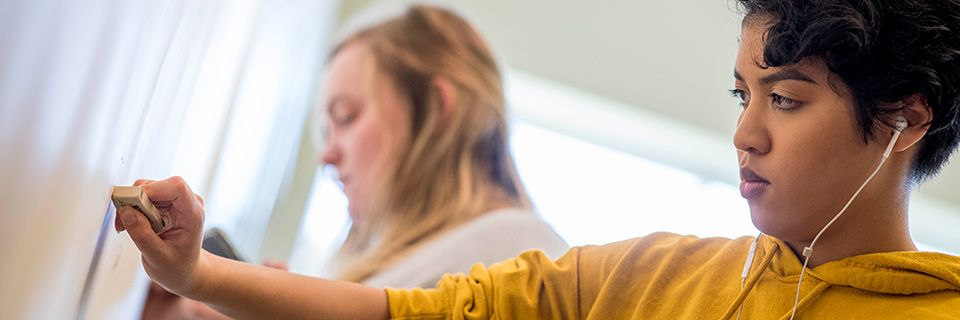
x=331 y=153
x=751 y=135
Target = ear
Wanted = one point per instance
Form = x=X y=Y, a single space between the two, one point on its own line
x=919 y=115
x=447 y=93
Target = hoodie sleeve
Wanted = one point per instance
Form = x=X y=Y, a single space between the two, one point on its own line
x=529 y=286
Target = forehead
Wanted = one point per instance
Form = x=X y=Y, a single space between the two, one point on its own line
x=750 y=64
x=750 y=50
x=349 y=70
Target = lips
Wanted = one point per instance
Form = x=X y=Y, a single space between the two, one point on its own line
x=751 y=184
x=342 y=181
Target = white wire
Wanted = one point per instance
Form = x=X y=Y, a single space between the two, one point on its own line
x=797 y=299
x=746 y=269
x=808 y=251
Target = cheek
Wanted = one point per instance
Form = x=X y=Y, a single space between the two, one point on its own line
x=818 y=164
x=367 y=163
x=396 y=130
x=370 y=141
x=359 y=144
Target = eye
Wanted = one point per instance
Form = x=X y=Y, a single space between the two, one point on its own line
x=784 y=103
x=343 y=114
x=345 y=118
x=742 y=95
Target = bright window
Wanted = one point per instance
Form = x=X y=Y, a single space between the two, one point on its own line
x=595 y=195
x=588 y=193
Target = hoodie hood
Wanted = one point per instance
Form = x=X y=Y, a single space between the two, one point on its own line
x=894 y=272
x=877 y=275
x=904 y=273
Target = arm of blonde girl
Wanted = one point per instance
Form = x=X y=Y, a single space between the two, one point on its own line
x=175 y=261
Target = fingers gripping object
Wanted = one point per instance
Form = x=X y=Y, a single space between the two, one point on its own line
x=136 y=198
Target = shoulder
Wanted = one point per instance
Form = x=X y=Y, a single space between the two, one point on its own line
x=668 y=242
x=659 y=262
x=661 y=249
x=506 y=231
x=493 y=237
x=513 y=218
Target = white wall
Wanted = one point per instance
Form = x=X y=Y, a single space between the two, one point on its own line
x=98 y=93
x=84 y=105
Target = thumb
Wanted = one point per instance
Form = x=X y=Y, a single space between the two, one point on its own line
x=139 y=230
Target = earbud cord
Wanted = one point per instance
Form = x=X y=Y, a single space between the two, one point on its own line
x=808 y=251
x=746 y=269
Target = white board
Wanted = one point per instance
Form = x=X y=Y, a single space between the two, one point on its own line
x=83 y=107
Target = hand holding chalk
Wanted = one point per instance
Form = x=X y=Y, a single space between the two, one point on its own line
x=134 y=197
x=171 y=258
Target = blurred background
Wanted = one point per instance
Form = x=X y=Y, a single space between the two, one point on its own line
x=621 y=126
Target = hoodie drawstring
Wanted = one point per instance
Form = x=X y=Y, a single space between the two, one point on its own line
x=809 y=297
x=750 y=284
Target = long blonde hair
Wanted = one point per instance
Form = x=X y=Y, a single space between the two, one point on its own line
x=454 y=163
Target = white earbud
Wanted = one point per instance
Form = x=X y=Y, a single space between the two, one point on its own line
x=901 y=124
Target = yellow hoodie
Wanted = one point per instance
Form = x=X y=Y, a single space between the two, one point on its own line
x=668 y=276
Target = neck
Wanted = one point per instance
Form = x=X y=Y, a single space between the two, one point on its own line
x=497 y=199
x=875 y=223
x=838 y=248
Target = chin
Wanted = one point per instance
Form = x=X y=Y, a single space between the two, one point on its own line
x=775 y=224
x=353 y=211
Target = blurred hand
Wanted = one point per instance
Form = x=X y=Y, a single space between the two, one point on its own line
x=276 y=264
x=163 y=305
x=171 y=258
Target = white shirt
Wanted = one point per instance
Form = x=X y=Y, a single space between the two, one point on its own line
x=492 y=237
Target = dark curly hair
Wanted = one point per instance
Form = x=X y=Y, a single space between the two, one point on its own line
x=884 y=51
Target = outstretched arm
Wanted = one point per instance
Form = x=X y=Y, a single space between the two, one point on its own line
x=174 y=260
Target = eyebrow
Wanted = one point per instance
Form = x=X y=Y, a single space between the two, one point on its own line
x=782 y=75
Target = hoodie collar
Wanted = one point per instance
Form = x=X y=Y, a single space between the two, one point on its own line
x=890 y=273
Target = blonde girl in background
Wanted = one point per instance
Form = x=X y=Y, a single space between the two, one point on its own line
x=416 y=128
x=415 y=124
